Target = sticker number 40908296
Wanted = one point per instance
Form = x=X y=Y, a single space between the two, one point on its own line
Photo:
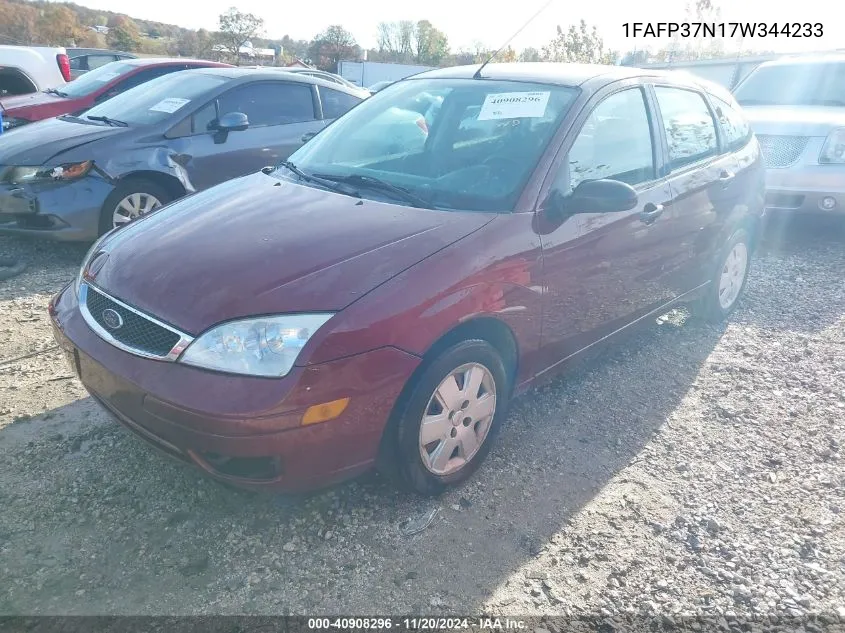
x=514 y=105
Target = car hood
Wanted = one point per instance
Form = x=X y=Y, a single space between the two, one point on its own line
x=260 y=245
x=40 y=142
x=23 y=105
x=794 y=120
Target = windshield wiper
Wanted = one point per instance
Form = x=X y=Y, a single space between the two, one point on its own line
x=328 y=184
x=58 y=93
x=108 y=121
x=381 y=185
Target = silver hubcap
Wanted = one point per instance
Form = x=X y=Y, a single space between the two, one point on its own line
x=132 y=206
x=733 y=274
x=457 y=419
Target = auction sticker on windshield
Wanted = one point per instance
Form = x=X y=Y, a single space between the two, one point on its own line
x=514 y=105
x=169 y=105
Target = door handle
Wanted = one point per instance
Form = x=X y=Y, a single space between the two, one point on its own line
x=308 y=136
x=650 y=213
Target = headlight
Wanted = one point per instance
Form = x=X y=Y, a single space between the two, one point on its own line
x=262 y=346
x=68 y=171
x=833 y=150
x=12 y=122
x=85 y=260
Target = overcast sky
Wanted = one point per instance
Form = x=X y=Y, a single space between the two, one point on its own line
x=467 y=21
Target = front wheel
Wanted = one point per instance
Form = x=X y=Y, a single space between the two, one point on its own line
x=452 y=417
x=729 y=278
x=131 y=199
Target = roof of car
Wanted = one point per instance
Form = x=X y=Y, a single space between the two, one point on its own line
x=234 y=72
x=153 y=61
x=818 y=58
x=557 y=73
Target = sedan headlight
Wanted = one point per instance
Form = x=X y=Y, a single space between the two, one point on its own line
x=261 y=346
x=833 y=150
x=85 y=261
x=13 y=122
x=25 y=175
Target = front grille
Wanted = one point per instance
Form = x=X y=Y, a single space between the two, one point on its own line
x=781 y=151
x=136 y=331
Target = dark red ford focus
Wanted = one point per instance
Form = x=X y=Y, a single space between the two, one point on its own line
x=379 y=298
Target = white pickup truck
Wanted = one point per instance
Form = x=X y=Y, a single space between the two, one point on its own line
x=25 y=69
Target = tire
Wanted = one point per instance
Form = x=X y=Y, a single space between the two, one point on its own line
x=135 y=186
x=719 y=299
x=470 y=418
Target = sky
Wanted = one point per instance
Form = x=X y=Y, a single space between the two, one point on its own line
x=468 y=21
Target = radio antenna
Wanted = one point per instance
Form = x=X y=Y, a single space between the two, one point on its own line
x=477 y=74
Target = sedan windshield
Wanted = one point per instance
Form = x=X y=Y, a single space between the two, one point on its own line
x=158 y=98
x=794 y=84
x=444 y=143
x=92 y=81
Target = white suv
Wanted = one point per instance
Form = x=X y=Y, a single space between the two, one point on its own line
x=25 y=69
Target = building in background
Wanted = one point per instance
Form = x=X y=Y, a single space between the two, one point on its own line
x=365 y=73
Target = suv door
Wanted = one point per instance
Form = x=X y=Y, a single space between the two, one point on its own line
x=701 y=172
x=603 y=270
x=279 y=114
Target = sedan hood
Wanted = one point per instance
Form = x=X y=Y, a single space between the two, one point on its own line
x=40 y=142
x=794 y=120
x=260 y=245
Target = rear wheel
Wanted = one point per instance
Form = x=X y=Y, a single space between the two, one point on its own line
x=728 y=280
x=131 y=199
x=452 y=417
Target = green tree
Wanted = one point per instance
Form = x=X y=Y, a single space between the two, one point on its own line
x=236 y=29
x=124 y=34
x=530 y=55
x=430 y=45
x=331 y=46
x=581 y=44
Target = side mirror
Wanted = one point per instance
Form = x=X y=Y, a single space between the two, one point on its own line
x=600 y=196
x=233 y=122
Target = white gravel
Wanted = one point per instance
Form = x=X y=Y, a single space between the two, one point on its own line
x=691 y=470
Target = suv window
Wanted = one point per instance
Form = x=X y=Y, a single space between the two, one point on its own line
x=735 y=127
x=336 y=103
x=270 y=103
x=690 y=130
x=615 y=143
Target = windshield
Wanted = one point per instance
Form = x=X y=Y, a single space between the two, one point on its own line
x=794 y=84
x=158 y=98
x=452 y=143
x=94 y=80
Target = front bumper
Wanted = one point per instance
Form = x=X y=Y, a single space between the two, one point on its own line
x=806 y=189
x=67 y=211
x=242 y=430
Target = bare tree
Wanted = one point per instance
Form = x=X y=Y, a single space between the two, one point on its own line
x=236 y=29
x=581 y=44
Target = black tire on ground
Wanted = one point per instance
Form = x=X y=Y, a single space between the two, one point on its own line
x=407 y=466
x=709 y=307
x=126 y=188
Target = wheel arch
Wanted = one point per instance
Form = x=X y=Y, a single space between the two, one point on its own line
x=168 y=182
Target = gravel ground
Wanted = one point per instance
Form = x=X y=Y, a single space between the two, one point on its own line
x=691 y=469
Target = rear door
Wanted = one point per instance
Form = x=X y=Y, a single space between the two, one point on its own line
x=701 y=173
x=335 y=103
x=279 y=113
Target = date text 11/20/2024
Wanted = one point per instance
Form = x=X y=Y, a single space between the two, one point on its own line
x=724 y=29
x=415 y=624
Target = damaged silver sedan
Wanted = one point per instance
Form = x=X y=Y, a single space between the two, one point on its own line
x=77 y=177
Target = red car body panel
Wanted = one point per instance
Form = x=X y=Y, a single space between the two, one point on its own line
x=399 y=280
x=41 y=105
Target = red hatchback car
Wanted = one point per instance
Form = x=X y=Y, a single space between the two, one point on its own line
x=90 y=89
x=374 y=301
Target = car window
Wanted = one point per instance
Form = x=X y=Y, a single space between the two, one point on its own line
x=159 y=99
x=336 y=103
x=615 y=143
x=690 y=130
x=270 y=103
x=78 y=63
x=735 y=127
x=93 y=81
x=812 y=83
x=95 y=61
x=147 y=75
x=454 y=143
x=204 y=118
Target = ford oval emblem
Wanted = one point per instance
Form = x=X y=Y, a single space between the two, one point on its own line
x=112 y=319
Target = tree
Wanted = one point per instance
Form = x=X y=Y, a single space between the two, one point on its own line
x=236 y=29
x=582 y=44
x=18 y=24
x=124 y=34
x=430 y=45
x=59 y=26
x=530 y=55
x=331 y=46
